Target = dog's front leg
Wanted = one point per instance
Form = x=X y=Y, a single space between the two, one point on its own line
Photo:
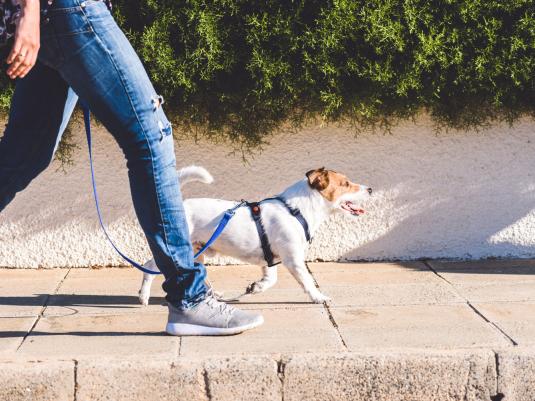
x=299 y=270
x=266 y=282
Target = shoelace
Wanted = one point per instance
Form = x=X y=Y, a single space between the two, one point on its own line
x=213 y=303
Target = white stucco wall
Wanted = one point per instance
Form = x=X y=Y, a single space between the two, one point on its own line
x=454 y=195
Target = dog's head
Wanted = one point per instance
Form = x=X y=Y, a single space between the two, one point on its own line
x=338 y=190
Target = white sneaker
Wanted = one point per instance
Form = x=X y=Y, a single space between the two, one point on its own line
x=210 y=318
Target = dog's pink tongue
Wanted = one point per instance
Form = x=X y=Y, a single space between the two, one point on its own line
x=355 y=211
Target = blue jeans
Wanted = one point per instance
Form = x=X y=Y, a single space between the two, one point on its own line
x=84 y=53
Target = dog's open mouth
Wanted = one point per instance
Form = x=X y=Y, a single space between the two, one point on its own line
x=351 y=208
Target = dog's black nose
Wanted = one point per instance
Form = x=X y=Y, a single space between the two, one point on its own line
x=370 y=191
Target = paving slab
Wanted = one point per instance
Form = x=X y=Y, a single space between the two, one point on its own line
x=379 y=284
x=12 y=332
x=284 y=330
x=24 y=292
x=233 y=280
x=458 y=376
x=37 y=381
x=491 y=281
x=421 y=326
x=517 y=319
x=79 y=335
x=103 y=291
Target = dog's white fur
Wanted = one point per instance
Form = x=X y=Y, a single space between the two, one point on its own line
x=240 y=238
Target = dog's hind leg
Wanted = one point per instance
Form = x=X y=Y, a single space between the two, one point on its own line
x=266 y=282
x=300 y=272
x=144 y=291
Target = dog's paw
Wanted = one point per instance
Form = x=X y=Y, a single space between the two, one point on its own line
x=319 y=298
x=256 y=287
x=144 y=298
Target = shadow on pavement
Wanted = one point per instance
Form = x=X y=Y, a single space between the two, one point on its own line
x=22 y=334
x=104 y=301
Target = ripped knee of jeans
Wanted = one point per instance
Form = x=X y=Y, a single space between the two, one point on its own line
x=157 y=101
x=165 y=129
x=163 y=124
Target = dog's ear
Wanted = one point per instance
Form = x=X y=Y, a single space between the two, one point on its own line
x=318 y=179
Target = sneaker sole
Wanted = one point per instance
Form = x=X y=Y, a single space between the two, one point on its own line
x=183 y=329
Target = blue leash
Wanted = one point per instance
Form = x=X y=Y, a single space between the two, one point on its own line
x=229 y=214
x=220 y=227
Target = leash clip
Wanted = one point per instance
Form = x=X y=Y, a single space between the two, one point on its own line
x=232 y=211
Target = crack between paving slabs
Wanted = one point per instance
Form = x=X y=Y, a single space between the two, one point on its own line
x=75 y=395
x=329 y=313
x=498 y=396
x=207 y=390
x=281 y=368
x=43 y=308
x=470 y=305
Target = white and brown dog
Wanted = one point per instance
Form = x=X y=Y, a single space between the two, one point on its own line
x=321 y=193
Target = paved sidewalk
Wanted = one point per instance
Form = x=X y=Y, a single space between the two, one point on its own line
x=393 y=331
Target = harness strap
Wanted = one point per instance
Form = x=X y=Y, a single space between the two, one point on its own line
x=254 y=207
x=297 y=214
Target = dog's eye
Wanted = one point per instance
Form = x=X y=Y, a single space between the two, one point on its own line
x=347 y=183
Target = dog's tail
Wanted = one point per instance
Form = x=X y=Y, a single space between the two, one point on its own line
x=194 y=173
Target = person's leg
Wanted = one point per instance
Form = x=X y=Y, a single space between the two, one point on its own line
x=40 y=110
x=96 y=60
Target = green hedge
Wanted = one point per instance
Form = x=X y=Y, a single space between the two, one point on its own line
x=239 y=69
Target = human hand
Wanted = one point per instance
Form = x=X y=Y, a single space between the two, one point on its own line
x=23 y=55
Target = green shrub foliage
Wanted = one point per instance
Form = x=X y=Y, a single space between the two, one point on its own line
x=239 y=69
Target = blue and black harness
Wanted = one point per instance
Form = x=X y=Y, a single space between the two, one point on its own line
x=256 y=214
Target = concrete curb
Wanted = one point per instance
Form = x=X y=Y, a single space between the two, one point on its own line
x=507 y=375
x=37 y=380
x=516 y=374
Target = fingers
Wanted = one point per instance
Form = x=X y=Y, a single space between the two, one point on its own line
x=25 y=66
x=22 y=63
x=31 y=63
x=15 y=51
x=18 y=64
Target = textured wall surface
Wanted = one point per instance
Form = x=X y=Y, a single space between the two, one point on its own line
x=454 y=195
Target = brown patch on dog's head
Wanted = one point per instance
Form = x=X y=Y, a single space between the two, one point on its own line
x=330 y=184
x=318 y=179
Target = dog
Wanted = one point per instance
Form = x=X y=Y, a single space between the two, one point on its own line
x=317 y=196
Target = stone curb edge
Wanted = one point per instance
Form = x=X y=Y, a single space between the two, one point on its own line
x=507 y=375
